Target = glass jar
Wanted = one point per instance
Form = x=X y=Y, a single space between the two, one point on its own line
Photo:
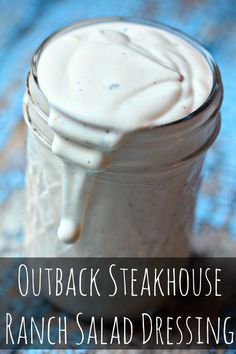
x=143 y=205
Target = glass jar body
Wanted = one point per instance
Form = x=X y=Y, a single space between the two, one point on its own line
x=130 y=215
x=144 y=204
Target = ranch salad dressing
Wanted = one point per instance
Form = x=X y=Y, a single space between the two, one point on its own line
x=103 y=82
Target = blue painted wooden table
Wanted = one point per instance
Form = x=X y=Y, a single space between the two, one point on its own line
x=25 y=23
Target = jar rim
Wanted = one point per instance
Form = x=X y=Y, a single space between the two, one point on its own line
x=216 y=89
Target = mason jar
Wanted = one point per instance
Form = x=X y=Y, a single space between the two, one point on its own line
x=143 y=204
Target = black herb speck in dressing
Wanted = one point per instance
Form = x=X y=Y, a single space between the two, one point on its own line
x=113 y=86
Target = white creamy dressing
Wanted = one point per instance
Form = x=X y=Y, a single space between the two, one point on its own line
x=103 y=82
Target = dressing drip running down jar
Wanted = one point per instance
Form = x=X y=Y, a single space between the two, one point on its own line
x=120 y=114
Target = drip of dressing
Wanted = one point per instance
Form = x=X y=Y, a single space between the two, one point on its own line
x=104 y=81
x=84 y=151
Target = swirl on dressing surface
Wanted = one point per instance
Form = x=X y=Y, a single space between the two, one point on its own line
x=108 y=80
